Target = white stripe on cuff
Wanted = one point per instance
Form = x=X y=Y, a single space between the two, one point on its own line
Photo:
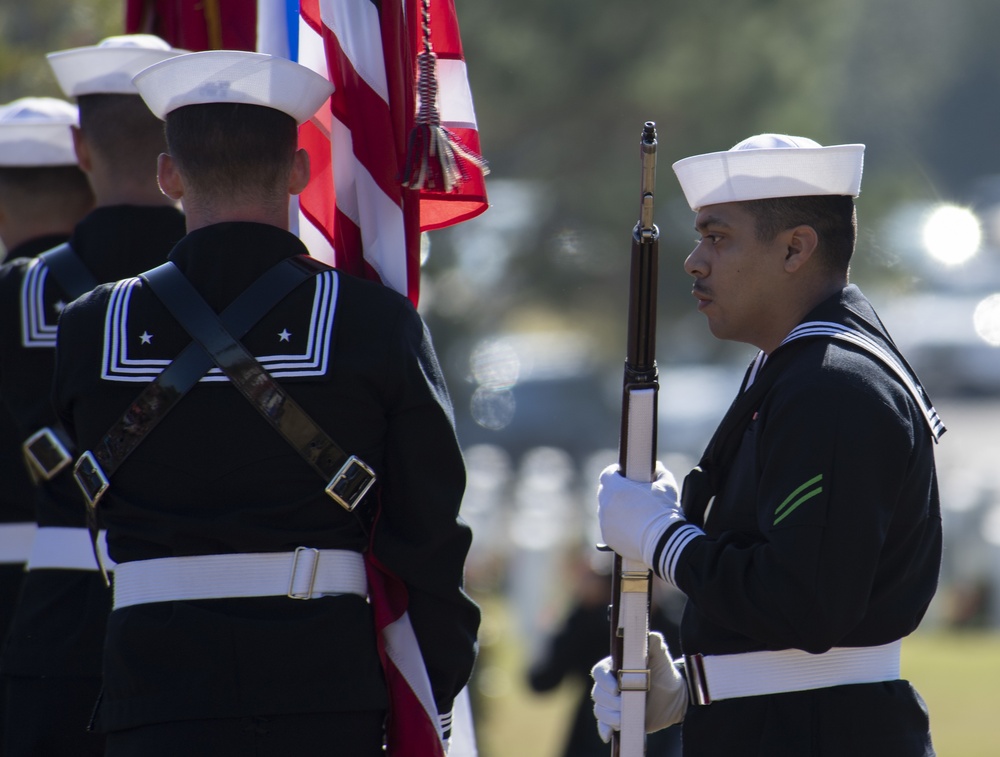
x=671 y=553
x=445 y=721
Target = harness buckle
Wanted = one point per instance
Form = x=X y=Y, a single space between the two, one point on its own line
x=45 y=454
x=91 y=479
x=93 y=483
x=308 y=591
x=351 y=483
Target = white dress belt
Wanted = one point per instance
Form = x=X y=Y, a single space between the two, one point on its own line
x=64 y=548
x=15 y=542
x=715 y=677
x=306 y=573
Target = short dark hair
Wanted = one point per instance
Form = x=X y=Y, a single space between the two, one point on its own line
x=43 y=180
x=834 y=218
x=232 y=149
x=45 y=191
x=122 y=129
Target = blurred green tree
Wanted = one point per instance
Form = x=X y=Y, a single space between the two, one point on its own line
x=562 y=88
x=29 y=30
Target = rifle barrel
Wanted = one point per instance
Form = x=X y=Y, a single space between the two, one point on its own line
x=637 y=458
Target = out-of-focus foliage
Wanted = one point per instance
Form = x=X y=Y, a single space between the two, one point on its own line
x=28 y=30
x=562 y=88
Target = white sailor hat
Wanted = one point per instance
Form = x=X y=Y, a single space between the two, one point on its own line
x=233 y=76
x=108 y=67
x=35 y=132
x=771 y=165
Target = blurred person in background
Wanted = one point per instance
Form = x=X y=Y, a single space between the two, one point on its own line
x=51 y=659
x=43 y=194
x=583 y=636
x=809 y=540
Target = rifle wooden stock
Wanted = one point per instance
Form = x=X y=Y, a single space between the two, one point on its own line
x=632 y=581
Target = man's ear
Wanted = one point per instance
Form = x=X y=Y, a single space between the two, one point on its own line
x=800 y=244
x=299 y=177
x=82 y=149
x=168 y=177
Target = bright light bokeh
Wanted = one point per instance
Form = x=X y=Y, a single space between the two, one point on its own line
x=951 y=235
x=986 y=320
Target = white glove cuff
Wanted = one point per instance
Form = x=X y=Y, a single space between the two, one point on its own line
x=667 y=699
x=633 y=515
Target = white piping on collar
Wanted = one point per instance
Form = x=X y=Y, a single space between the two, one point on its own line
x=118 y=364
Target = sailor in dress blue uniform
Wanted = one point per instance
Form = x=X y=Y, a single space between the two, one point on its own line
x=217 y=519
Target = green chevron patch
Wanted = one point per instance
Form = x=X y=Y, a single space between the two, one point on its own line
x=797 y=497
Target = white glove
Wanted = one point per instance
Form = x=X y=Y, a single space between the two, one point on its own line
x=666 y=700
x=633 y=515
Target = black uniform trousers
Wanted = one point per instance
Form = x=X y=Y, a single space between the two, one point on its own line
x=351 y=734
x=11 y=578
x=860 y=720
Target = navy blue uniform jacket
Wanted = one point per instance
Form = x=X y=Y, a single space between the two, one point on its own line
x=827 y=529
x=826 y=532
x=58 y=625
x=214 y=477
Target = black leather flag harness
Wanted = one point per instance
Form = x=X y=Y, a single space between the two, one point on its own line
x=48 y=451
x=216 y=342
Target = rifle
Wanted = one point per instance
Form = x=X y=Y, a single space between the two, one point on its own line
x=631 y=580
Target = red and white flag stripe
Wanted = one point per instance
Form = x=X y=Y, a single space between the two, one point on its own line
x=356 y=214
x=414 y=726
x=355 y=211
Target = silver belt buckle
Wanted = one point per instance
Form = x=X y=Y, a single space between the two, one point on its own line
x=307 y=594
x=351 y=483
x=46 y=455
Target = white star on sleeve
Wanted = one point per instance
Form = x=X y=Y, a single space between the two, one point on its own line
x=145 y=338
x=284 y=335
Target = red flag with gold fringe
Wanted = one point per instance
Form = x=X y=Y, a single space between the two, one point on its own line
x=196 y=24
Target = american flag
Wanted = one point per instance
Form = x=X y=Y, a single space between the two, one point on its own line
x=363 y=211
x=356 y=212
